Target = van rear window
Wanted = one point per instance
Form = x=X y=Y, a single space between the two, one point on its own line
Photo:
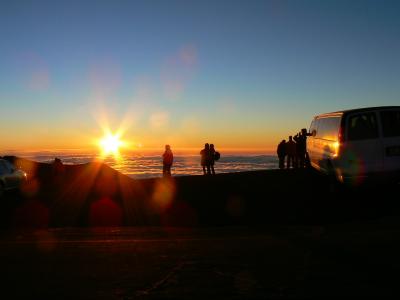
x=390 y=123
x=363 y=127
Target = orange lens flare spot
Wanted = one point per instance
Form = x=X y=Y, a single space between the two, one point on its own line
x=164 y=193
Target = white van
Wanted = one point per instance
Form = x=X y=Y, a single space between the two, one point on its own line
x=356 y=144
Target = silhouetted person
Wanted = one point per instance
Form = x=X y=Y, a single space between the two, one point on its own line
x=281 y=151
x=302 y=148
x=212 y=158
x=57 y=171
x=168 y=159
x=58 y=166
x=297 y=158
x=305 y=134
x=205 y=159
x=290 y=152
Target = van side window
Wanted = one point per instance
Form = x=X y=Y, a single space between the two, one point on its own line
x=362 y=127
x=390 y=123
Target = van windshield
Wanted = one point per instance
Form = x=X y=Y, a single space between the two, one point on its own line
x=391 y=123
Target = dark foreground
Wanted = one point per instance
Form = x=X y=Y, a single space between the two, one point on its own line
x=89 y=232
x=93 y=195
x=274 y=262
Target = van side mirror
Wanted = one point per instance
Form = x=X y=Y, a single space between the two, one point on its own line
x=313 y=133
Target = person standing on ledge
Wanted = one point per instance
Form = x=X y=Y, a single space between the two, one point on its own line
x=205 y=159
x=168 y=159
x=290 y=152
x=281 y=151
x=212 y=158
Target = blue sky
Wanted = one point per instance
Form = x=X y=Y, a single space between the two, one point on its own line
x=243 y=73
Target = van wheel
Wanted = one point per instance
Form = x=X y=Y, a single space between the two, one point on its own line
x=333 y=183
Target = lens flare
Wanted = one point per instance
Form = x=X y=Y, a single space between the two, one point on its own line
x=110 y=144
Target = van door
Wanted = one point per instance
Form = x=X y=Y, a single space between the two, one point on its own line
x=312 y=145
x=390 y=121
x=12 y=178
x=325 y=146
x=363 y=152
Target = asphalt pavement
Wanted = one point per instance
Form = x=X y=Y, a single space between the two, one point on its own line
x=270 y=262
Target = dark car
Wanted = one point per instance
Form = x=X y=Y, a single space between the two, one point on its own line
x=10 y=177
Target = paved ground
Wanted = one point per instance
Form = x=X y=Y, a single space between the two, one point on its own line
x=274 y=262
x=295 y=238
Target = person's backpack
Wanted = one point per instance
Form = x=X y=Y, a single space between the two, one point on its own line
x=217 y=156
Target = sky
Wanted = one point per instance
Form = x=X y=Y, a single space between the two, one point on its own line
x=240 y=74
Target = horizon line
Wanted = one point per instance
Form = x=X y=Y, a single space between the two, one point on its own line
x=185 y=150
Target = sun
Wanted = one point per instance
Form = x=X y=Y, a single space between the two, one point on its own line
x=110 y=144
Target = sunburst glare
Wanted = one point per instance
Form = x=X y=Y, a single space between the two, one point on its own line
x=110 y=144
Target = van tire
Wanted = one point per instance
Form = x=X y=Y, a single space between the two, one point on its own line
x=333 y=182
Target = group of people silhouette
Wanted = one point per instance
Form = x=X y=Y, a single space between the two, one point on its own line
x=294 y=150
x=208 y=158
